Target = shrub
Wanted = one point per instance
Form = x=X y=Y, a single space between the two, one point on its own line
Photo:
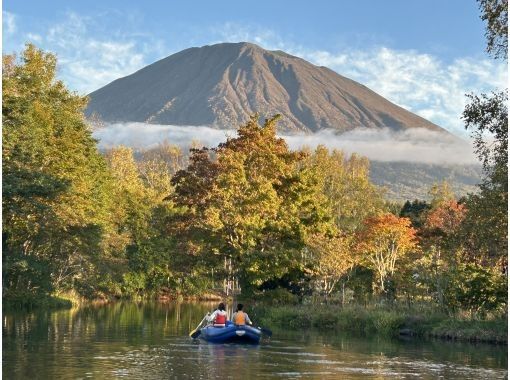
x=278 y=296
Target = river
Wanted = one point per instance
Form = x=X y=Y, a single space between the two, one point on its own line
x=150 y=341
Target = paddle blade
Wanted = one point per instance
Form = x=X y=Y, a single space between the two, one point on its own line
x=195 y=333
x=265 y=331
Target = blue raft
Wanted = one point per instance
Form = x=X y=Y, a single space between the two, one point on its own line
x=231 y=334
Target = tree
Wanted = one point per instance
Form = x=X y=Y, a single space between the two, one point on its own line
x=383 y=241
x=55 y=183
x=495 y=13
x=345 y=183
x=141 y=212
x=442 y=242
x=332 y=258
x=486 y=116
x=166 y=154
x=132 y=206
x=444 y=220
x=247 y=203
x=415 y=211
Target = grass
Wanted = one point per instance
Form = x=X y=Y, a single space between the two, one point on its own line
x=494 y=331
x=25 y=301
x=383 y=322
x=29 y=303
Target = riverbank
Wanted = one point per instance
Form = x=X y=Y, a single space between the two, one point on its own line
x=67 y=300
x=364 y=321
x=384 y=322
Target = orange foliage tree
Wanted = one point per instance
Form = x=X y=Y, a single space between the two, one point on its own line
x=383 y=240
x=446 y=217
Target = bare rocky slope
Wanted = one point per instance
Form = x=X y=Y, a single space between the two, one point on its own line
x=220 y=85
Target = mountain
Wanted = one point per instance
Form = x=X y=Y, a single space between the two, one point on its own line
x=410 y=180
x=220 y=85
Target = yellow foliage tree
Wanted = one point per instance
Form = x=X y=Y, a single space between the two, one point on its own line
x=332 y=258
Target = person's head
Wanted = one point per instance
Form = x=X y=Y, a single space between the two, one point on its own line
x=221 y=306
x=239 y=306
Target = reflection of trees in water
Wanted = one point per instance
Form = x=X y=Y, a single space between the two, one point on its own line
x=33 y=342
x=149 y=340
x=481 y=354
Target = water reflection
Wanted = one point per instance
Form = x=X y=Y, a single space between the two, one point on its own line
x=149 y=341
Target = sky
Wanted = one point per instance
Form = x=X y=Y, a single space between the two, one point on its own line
x=423 y=55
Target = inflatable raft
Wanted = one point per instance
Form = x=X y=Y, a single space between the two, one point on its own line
x=231 y=333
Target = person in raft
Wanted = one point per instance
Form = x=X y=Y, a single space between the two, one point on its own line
x=240 y=317
x=219 y=316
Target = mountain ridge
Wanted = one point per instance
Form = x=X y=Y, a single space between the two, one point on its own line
x=222 y=84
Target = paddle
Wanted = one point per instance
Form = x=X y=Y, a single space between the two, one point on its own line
x=265 y=331
x=196 y=333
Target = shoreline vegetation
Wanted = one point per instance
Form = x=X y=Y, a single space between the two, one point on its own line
x=387 y=321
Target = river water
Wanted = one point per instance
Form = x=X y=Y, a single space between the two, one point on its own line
x=150 y=341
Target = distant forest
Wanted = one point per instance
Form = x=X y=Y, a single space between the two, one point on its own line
x=408 y=180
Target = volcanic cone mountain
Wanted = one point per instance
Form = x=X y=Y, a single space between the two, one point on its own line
x=221 y=85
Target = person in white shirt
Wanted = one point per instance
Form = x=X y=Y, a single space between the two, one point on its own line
x=219 y=316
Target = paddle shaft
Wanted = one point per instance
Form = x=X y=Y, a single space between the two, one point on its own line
x=193 y=333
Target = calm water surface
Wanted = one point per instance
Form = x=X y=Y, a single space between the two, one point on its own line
x=150 y=341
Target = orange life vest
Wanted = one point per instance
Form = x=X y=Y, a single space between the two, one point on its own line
x=240 y=319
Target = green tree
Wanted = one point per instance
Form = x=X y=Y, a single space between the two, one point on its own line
x=486 y=226
x=415 y=211
x=495 y=13
x=486 y=116
x=249 y=204
x=54 y=180
x=345 y=184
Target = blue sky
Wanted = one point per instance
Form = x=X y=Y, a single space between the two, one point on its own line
x=423 y=55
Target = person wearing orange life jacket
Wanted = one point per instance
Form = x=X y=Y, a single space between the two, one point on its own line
x=219 y=316
x=240 y=317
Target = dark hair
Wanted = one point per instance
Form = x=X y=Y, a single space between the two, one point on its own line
x=239 y=306
x=221 y=306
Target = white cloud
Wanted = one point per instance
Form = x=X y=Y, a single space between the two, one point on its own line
x=9 y=22
x=34 y=37
x=141 y=135
x=413 y=145
x=421 y=83
x=88 y=63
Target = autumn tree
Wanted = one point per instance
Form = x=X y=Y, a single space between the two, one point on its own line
x=167 y=155
x=383 y=241
x=332 y=257
x=140 y=214
x=345 y=183
x=441 y=240
x=247 y=203
x=55 y=194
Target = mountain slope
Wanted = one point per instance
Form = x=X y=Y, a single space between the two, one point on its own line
x=222 y=84
x=410 y=180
